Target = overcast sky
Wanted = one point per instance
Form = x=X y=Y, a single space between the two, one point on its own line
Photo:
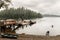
x=42 y=6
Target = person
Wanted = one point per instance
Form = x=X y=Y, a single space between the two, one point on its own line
x=52 y=26
x=47 y=33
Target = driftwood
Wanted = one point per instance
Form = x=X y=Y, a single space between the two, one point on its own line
x=8 y=26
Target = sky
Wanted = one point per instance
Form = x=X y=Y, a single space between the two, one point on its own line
x=42 y=6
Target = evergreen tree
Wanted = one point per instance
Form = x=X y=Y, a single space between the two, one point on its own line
x=19 y=13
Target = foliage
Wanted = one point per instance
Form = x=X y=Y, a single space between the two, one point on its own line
x=4 y=3
x=19 y=13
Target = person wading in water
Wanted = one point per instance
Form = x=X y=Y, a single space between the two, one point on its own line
x=52 y=26
x=47 y=33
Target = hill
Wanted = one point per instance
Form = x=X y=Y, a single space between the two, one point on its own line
x=50 y=15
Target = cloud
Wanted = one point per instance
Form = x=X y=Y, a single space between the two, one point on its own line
x=43 y=6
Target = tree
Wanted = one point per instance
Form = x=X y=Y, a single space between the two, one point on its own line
x=4 y=3
x=19 y=13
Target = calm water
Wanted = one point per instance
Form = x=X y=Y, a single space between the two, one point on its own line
x=43 y=25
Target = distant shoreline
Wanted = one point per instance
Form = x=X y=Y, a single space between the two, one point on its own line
x=47 y=16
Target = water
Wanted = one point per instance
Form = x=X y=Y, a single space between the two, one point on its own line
x=42 y=26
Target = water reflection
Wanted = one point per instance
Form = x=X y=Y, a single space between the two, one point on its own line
x=43 y=25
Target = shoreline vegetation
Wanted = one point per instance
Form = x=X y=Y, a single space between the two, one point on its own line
x=19 y=13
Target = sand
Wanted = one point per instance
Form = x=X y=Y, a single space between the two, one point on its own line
x=33 y=37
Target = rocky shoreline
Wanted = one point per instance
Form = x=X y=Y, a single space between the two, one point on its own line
x=33 y=37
